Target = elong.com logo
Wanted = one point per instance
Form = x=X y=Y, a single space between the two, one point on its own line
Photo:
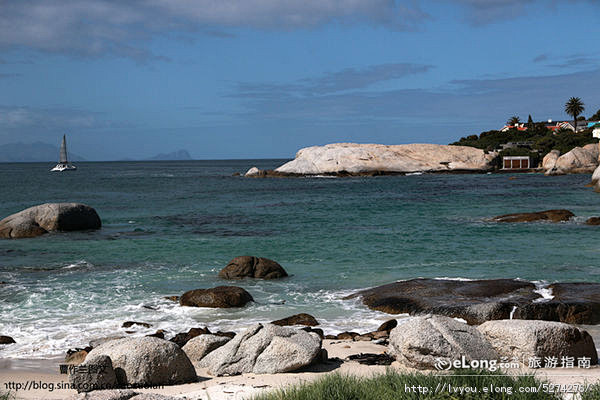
x=444 y=364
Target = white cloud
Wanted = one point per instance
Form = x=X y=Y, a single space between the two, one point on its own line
x=98 y=27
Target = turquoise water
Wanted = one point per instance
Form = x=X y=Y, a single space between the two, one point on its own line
x=171 y=226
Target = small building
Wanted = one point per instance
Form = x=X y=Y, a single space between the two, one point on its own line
x=596 y=131
x=519 y=127
x=515 y=162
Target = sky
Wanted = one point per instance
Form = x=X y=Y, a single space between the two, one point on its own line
x=263 y=78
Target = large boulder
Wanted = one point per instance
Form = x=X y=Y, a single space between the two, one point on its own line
x=197 y=348
x=525 y=339
x=431 y=342
x=548 y=215
x=474 y=301
x=95 y=373
x=50 y=217
x=252 y=267
x=218 y=297
x=572 y=302
x=264 y=349
x=147 y=361
x=549 y=161
x=357 y=159
x=297 y=319
x=577 y=161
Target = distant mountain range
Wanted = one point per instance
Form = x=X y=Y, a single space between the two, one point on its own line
x=44 y=152
x=178 y=155
x=32 y=152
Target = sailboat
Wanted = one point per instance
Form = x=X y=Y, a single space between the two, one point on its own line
x=63 y=162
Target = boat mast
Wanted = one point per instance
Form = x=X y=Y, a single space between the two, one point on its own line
x=63 y=151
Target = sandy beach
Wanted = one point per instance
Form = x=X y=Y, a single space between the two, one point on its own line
x=246 y=386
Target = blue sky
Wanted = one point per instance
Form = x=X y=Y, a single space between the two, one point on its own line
x=263 y=78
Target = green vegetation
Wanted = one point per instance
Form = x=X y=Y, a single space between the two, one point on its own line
x=574 y=107
x=514 y=120
x=393 y=385
x=7 y=396
x=595 y=117
x=543 y=139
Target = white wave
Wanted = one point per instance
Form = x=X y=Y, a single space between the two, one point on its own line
x=543 y=290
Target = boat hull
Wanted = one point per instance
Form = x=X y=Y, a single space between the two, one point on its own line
x=63 y=167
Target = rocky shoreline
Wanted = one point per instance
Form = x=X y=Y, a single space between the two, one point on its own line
x=353 y=159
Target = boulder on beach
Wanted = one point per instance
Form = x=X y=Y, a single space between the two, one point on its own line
x=358 y=159
x=50 y=217
x=549 y=161
x=434 y=342
x=579 y=160
x=95 y=373
x=182 y=338
x=548 y=215
x=525 y=339
x=147 y=361
x=475 y=301
x=297 y=319
x=252 y=267
x=264 y=349
x=218 y=297
x=197 y=348
x=77 y=356
x=6 y=340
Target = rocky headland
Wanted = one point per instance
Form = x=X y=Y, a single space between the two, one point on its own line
x=354 y=159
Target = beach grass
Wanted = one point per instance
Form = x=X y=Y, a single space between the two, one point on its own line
x=393 y=385
x=593 y=393
x=7 y=396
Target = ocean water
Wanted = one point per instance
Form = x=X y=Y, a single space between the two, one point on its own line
x=169 y=227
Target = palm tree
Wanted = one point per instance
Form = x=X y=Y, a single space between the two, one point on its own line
x=513 y=121
x=574 y=107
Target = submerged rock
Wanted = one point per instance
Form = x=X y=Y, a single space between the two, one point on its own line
x=359 y=159
x=264 y=349
x=523 y=339
x=474 y=301
x=422 y=342
x=147 y=361
x=298 y=319
x=129 y=324
x=6 y=340
x=50 y=217
x=252 y=267
x=181 y=339
x=548 y=215
x=572 y=303
x=483 y=300
x=218 y=297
